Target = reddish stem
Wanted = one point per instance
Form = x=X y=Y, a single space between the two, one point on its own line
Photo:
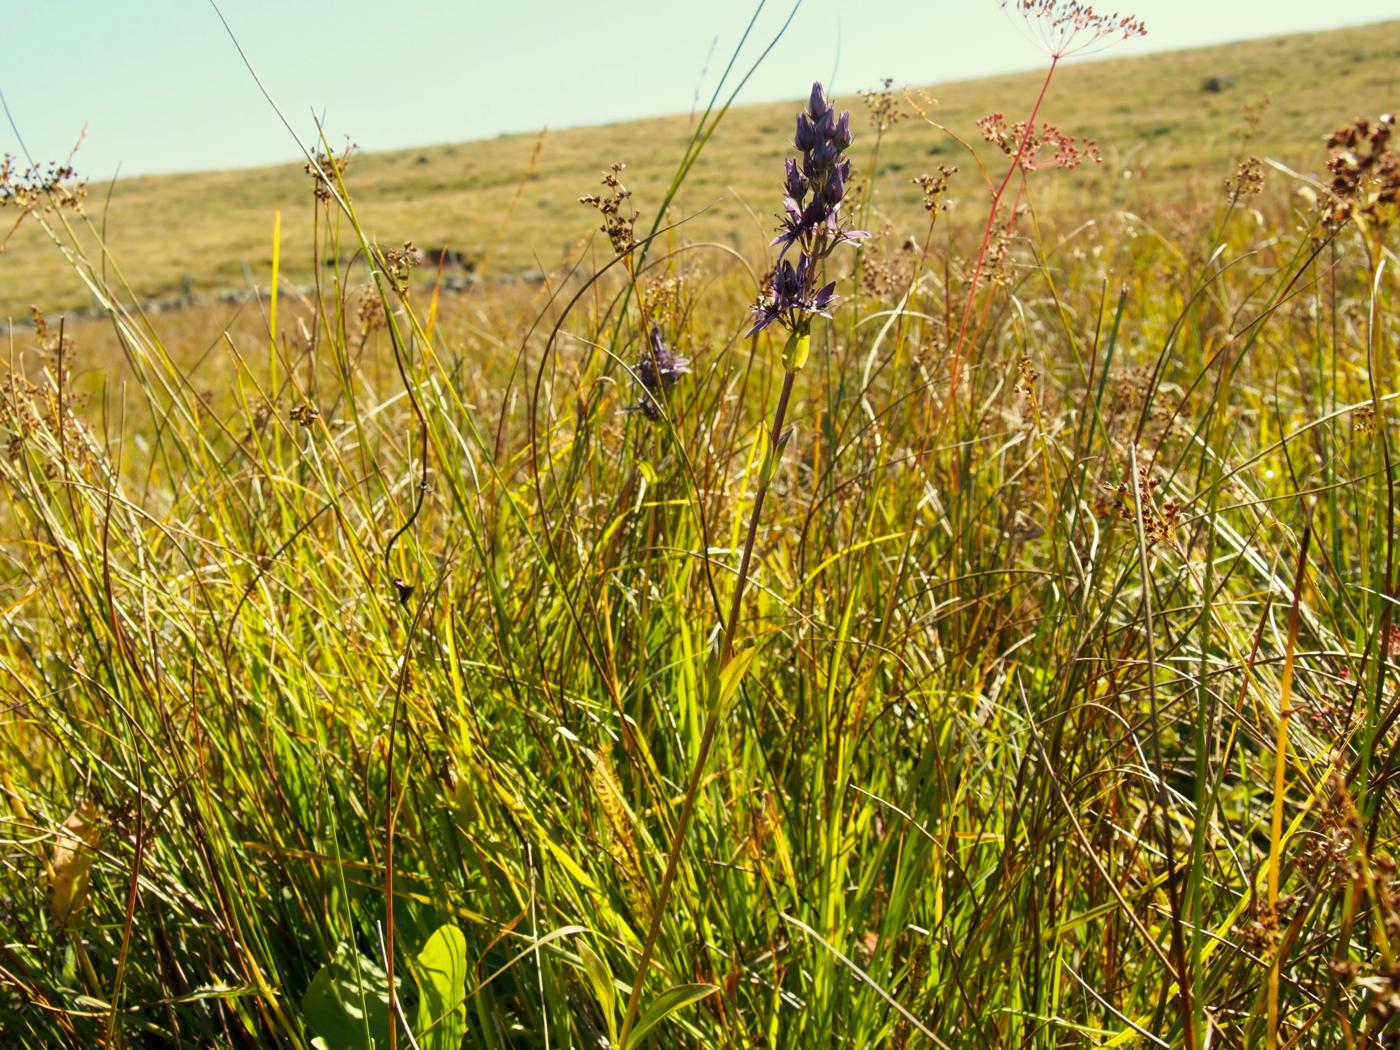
x=991 y=224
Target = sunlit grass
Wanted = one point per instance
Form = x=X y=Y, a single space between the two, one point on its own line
x=1007 y=767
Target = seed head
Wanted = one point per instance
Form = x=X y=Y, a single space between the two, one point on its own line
x=1066 y=27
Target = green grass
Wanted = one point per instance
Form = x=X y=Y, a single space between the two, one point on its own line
x=1155 y=123
x=414 y=684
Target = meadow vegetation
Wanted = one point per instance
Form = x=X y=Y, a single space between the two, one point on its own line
x=1008 y=658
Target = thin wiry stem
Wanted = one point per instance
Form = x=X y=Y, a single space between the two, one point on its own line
x=712 y=713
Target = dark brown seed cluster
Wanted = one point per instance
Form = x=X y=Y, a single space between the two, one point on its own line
x=619 y=217
x=1248 y=180
x=328 y=170
x=370 y=312
x=398 y=262
x=1365 y=171
x=37 y=188
x=1363 y=420
x=1327 y=856
x=50 y=341
x=304 y=415
x=934 y=187
x=41 y=417
x=1159 y=520
x=887 y=275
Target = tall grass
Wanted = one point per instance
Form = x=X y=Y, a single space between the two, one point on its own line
x=1070 y=715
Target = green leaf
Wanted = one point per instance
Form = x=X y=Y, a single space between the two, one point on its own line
x=601 y=978
x=442 y=991
x=732 y=674
x=347 y=1005
x=667 y=1003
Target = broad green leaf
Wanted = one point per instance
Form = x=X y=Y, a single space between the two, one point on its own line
x=601 y=978
x=347 y=1004
x=442 y=989
x=667 y=1003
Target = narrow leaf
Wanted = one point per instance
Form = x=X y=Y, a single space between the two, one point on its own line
x=733 y=674
x=601 y=978
x=667 y=1003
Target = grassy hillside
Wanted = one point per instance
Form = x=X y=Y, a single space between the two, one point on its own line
x=1153 y=120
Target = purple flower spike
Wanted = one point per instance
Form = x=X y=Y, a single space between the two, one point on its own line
x=813 y=189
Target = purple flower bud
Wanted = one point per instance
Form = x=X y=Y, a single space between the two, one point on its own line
x=824 y=155
x=842 y=134
x=795 y=185
x=806 y=136
x=787 y=280
x=661 y=366
x=835 y=187
x=817 y=105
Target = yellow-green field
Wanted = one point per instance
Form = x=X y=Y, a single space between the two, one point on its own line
x=1164 y=139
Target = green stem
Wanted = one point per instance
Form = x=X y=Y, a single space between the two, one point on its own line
x=712 y=714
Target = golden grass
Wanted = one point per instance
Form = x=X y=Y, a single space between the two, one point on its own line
x=1154 y=122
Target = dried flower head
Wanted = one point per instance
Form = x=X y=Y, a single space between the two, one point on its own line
x=328 y=169
x=934 y=186
x=619 y=217
x=304 y=415
x=1159 y=520
x=1048 y=147
x=50 y=342
x=398 y=262
x=1365 y=172
x=38 y=188
x=887 y=275
x=1248 y=180
x=1066 y=27
x=1363 y=420
x=370 y=312
x=883 y=107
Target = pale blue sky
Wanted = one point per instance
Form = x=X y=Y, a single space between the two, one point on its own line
x=160 y=87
